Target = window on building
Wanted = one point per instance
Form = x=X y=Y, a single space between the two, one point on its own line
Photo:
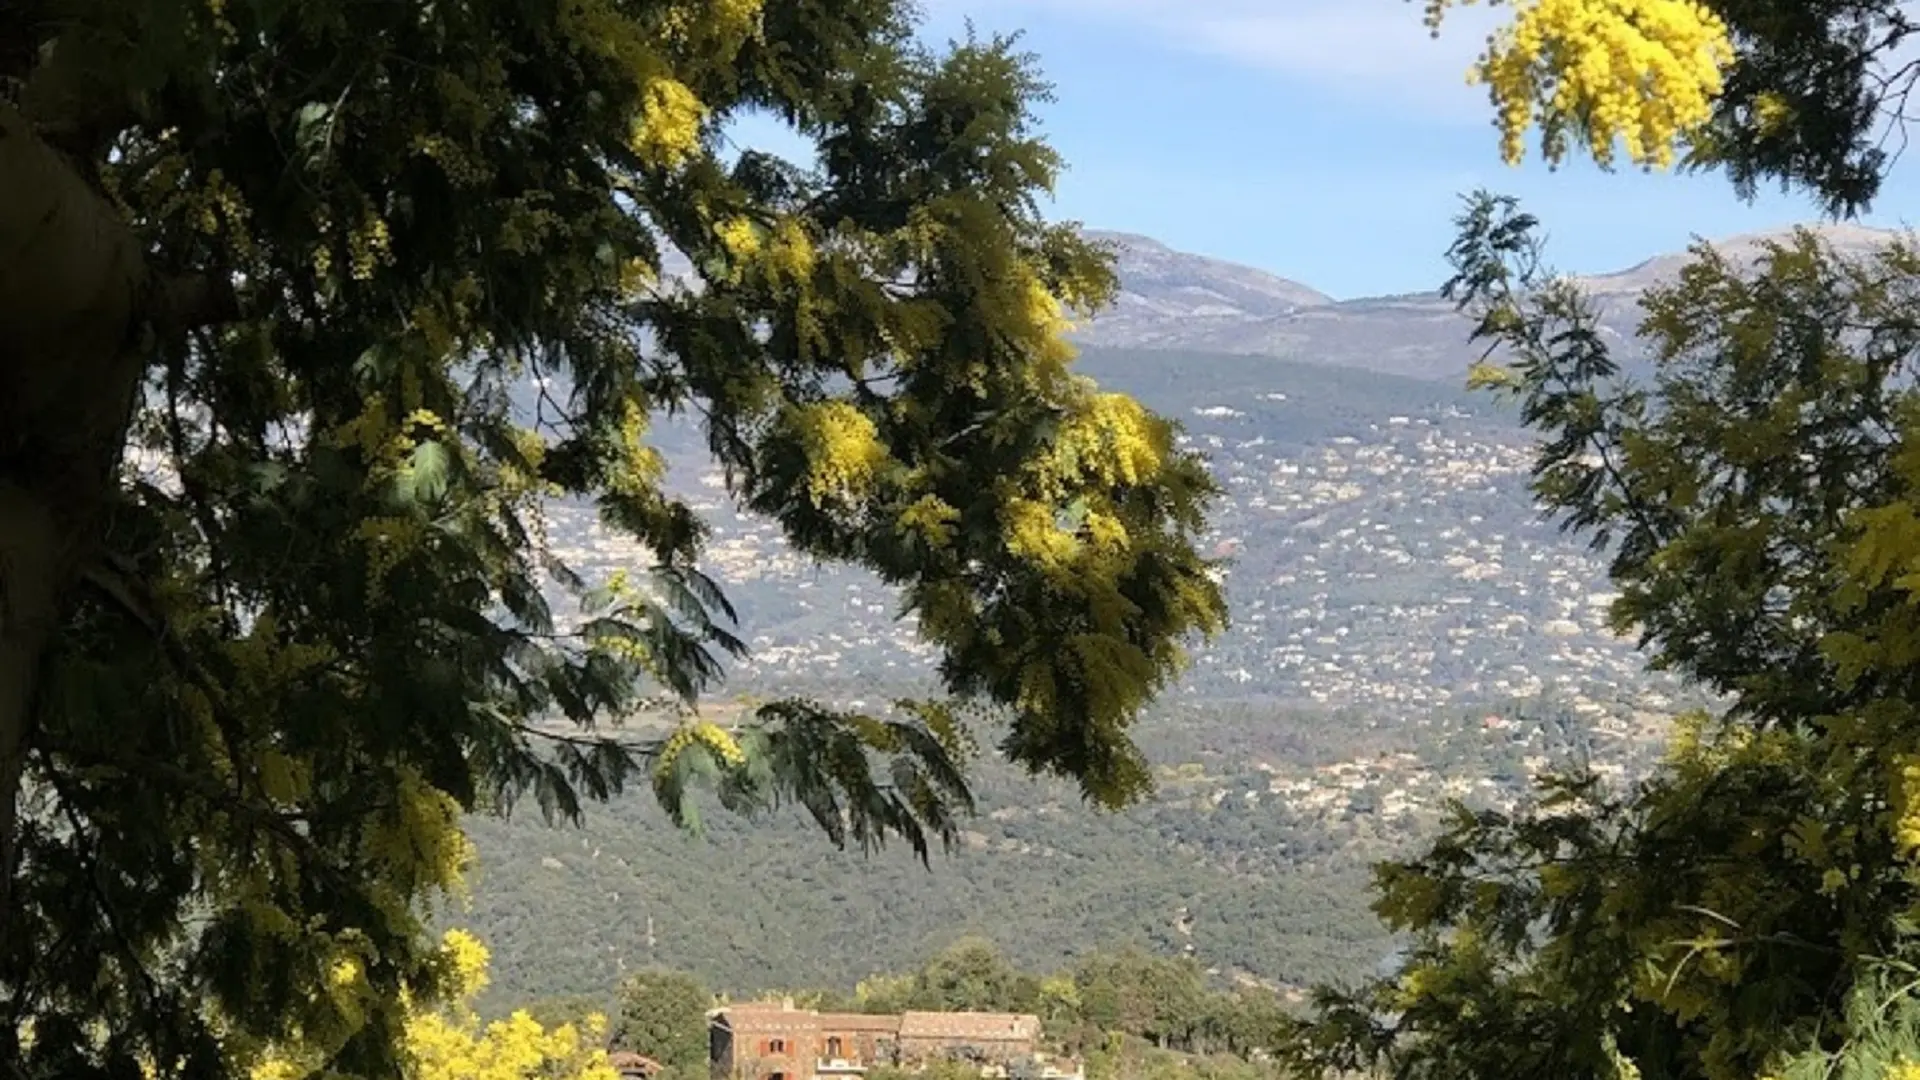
x=834 y=1049
x=776 y=1046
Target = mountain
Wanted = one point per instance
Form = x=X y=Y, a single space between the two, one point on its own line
x=1853 y=241
x=1167 y=296
x=1177 y=301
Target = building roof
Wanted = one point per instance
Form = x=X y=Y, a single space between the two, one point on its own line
x=860 y=1022
x=945 y=1025
x=765 y=1016
x=772 y=1015
x=628 y=1061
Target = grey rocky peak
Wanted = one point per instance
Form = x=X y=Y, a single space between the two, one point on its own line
x=1744 y=248
x=1173 y=300
x=1168 y=298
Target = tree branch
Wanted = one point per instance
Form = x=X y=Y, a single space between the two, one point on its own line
x=24 y=27
x=180 y=303
x=79 y=97
x=71 y=278
x=120 y=584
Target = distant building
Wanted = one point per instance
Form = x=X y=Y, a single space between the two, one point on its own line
x=632 y=1066
x=996 y=1039
x=775 y=1041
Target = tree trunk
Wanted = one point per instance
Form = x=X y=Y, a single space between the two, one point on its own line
x=73 y=285
x=30 y=544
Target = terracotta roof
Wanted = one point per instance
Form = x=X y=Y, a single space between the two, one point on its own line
x=626 y=1060
x=859 y=1022
x=937 y=1025
x=924 y=1025
x=760 y=1017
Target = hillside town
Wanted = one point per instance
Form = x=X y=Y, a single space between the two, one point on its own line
x=1401 y=568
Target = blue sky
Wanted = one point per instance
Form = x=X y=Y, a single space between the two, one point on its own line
x=1324 y=140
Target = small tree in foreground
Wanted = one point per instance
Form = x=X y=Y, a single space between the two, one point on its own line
x=1744 y=912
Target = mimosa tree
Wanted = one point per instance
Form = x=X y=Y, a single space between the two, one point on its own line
x=306 y=312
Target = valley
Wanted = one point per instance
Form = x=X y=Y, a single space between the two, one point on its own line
x=1407 y=630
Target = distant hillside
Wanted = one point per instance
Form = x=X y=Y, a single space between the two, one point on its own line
x=1382 y=551
x=1253 y=858
x=1178 y=301
x=1297 y=401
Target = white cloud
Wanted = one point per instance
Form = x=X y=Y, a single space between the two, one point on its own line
x=1376 y=49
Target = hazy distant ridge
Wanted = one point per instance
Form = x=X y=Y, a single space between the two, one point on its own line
x=1177 y=300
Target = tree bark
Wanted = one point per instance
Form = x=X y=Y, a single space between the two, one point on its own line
x=30 y=545
x=73 y=283
x=71 y=279
x=80 y=313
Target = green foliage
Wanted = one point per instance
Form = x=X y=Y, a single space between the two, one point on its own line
x=572 y=1009
x=1131 y=991
x=663 y=1014
x=1714 y=921
x=1883 y=1032
x=971 y=976
x=1805 y=100
x=250 y=683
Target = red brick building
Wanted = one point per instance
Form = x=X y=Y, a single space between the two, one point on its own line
x=764 y=1041
x=775 y=1041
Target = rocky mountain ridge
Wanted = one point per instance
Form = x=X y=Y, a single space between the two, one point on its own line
x=1176 y=300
